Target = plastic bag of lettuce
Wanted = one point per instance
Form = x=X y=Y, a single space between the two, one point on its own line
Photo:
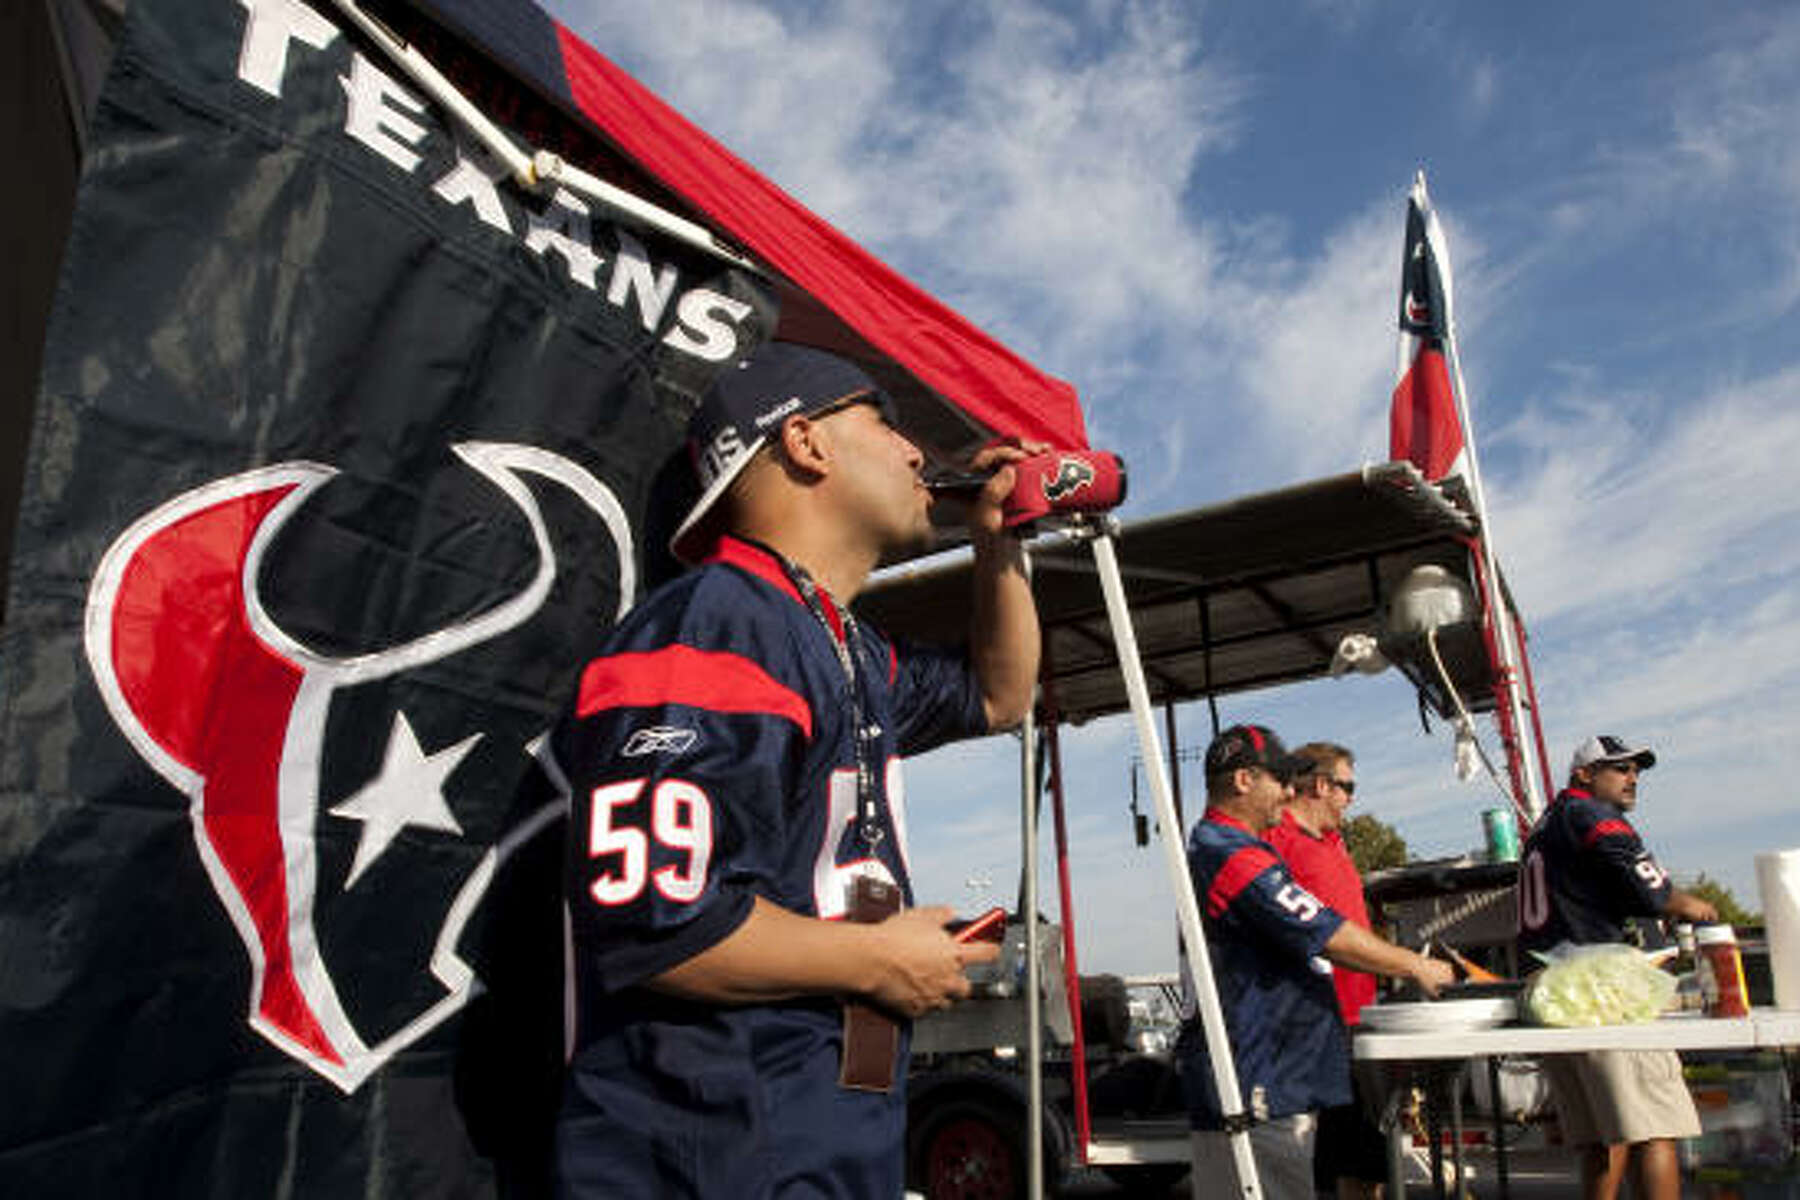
x=1598 y=985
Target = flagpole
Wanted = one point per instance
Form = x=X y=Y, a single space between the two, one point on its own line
x=1499 y=611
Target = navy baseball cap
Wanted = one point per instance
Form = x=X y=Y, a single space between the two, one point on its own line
x=1251 y=746
x=1605 y=748
x=746 y=404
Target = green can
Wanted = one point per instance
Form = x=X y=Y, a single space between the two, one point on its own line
x=1502 y=834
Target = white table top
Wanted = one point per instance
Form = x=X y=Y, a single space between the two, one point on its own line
x=1763 y=1028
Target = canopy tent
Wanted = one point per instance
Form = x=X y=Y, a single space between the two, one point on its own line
x=1256 y=591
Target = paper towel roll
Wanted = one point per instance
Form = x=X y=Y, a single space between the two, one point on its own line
x=1778 y=879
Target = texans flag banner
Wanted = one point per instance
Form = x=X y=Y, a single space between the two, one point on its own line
x=345 y=455
x=1422 y=424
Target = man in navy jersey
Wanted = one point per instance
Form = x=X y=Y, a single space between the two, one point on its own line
x=1271 y=944
x=1584 y=873
x=734 y=767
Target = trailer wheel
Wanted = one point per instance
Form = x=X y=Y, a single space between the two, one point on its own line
x=971 y=1150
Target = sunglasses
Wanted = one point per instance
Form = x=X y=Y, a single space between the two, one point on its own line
x=1623 y=768
x=1348 y=785
x=877 y=398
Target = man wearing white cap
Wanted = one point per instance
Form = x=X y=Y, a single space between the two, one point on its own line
x=734 y=766
x=1583 y=874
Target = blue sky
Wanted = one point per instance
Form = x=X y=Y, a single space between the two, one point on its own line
x=1194 y=213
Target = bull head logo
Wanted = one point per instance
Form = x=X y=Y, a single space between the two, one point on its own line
x=1072 y=474
x=231 y=710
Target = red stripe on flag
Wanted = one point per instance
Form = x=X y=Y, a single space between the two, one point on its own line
x=1422 y=426
x=1237 y=873
x=714 y=680
x=214 y=697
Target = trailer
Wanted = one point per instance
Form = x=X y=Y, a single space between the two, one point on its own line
x=1259 y=591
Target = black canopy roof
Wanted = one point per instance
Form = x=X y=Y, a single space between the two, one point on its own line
x=1253 y=592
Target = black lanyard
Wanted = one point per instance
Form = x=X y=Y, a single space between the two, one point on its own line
x=868 y=809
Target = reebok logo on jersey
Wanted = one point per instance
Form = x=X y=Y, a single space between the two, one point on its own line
x=659 y=739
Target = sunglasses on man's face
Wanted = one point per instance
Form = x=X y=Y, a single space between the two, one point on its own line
x=1623 y=768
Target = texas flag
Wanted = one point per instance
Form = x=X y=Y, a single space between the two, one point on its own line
x=1423 y=426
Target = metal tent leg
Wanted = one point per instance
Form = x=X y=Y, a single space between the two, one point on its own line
x=1034 y=965
x=1501 y=1172
x=1212 y=1017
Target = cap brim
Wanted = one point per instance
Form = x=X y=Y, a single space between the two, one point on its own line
x=686 y=543
x=1644 y=757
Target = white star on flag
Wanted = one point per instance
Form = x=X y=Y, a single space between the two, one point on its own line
x=408 y=790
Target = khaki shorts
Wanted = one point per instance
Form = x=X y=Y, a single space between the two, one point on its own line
x=1618 y=1096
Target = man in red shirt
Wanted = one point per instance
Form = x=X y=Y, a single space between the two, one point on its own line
x=1350 y=1156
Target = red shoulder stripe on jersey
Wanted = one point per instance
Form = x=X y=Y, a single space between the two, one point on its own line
x=754 y=560
x=1608 y=829
x=893 y=664
x=1243 y=866
x=680 y=674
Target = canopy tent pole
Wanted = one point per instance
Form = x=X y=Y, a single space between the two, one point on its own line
x=1525 y=770
x=1034 y=962
x=1537 y=724
x=534 y=169
x=1187 y=907
x=1500 y=614
x=1034 y=965
x=1078 y=1076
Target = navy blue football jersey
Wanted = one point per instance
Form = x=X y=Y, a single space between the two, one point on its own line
x=1266 y=936
x=1583 y=873
x=711 y=760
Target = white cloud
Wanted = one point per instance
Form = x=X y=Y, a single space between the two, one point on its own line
x=1483 y=87
x=1040 y=152
x=1721 y=171
x=1318 y=352
x=795 y=97
x=1684 y=506
x=1030 y=169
